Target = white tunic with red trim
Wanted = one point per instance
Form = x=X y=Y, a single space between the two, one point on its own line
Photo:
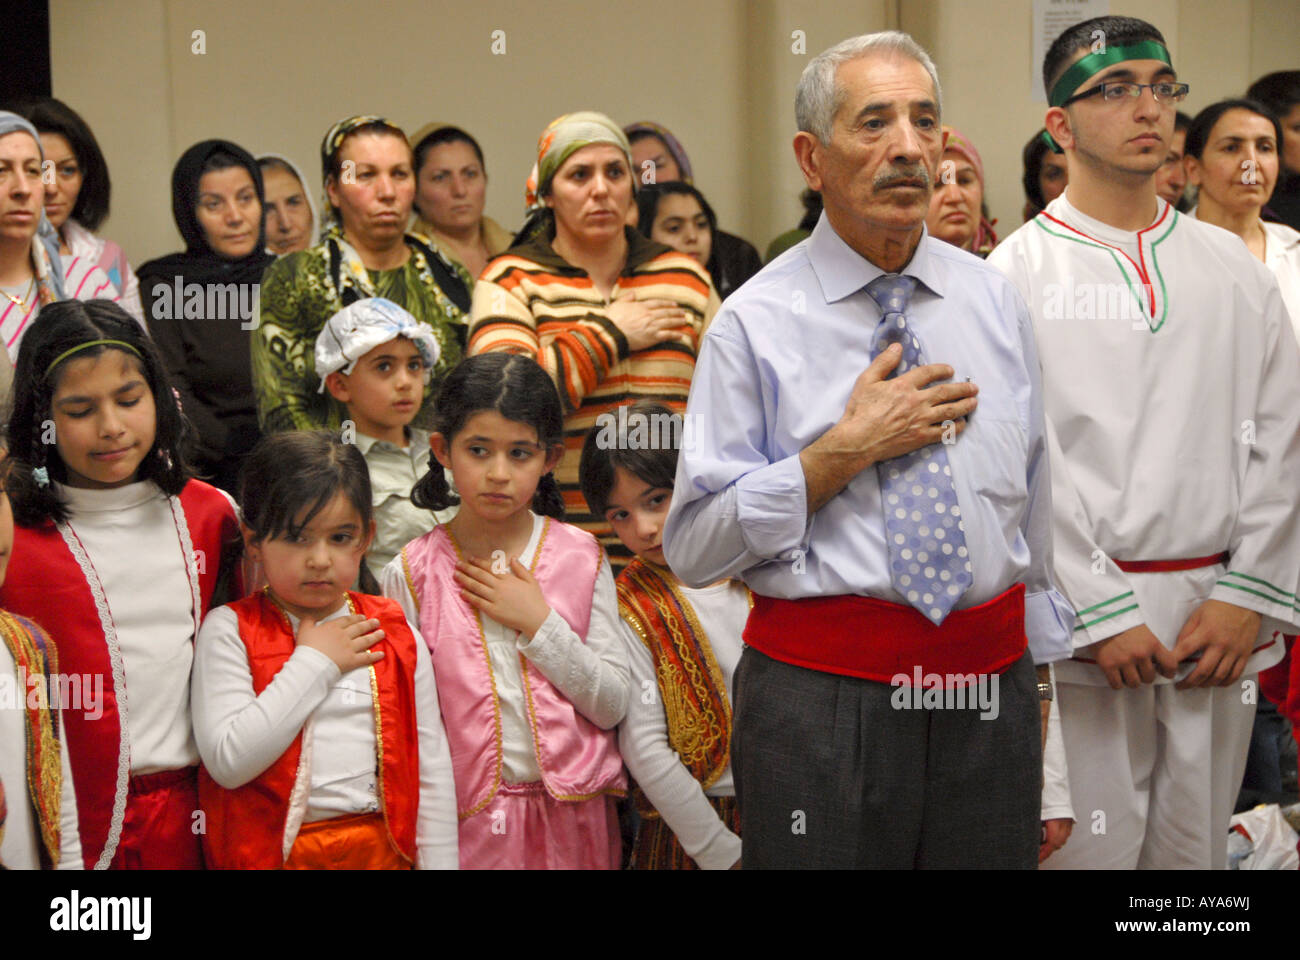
x=1171 y=383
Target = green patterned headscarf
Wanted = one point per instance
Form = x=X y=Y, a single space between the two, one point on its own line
x=563 y=137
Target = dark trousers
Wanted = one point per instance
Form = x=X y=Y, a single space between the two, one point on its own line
x=831 y=773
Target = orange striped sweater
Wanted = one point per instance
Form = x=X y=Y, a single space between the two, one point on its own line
x=530 y=300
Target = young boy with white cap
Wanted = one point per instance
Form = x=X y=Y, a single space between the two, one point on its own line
x=375 y=358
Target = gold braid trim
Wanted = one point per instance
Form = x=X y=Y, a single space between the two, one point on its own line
x=32 y=650
x=532 y=711
x=698 y=731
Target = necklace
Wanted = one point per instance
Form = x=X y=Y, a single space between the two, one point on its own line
x=21 y=302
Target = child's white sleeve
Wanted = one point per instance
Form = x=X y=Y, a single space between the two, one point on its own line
x=239 y=733
x=437 y=828
x=1056 y=772
x=655 y=766
x=70 y=857
x=592 y=675
x=393 y=585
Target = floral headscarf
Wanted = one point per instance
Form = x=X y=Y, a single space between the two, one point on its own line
x=563 y=137
x=331 y=225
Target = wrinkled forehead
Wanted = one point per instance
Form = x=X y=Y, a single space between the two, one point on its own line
x=20 y=146
x=379 y=147
x=884 y=79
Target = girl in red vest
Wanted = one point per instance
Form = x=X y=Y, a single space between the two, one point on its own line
x=315 y=709
x=120 y=554
x=520 y=615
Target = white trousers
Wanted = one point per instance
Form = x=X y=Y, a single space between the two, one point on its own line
x=1154 y=773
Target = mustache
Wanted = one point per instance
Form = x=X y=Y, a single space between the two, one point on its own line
x=911 y=176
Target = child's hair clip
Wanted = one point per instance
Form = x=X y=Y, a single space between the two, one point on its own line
x=42 y=476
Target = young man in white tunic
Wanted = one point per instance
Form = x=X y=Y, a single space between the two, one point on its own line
x=1172 y=393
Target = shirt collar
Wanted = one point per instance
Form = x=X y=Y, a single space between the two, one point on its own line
x=415 y=440
x=842 y=271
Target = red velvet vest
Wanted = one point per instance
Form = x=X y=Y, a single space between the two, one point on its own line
x=245 y=826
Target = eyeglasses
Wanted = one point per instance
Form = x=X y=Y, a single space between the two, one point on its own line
x=1166 y=91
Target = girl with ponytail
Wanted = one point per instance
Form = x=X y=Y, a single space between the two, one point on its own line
x=519 y=612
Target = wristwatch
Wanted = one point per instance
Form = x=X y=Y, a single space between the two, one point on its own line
x=1044 y=690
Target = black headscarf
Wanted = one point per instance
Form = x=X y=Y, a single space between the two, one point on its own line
x=199 y=263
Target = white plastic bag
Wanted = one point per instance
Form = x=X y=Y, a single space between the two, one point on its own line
x=1272 y=839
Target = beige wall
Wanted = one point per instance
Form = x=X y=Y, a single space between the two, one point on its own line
x=719 y=73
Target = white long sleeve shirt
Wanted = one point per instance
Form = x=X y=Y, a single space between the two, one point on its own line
x=1173 y=415
x=593 y=675
x=722 y=610
x=129 y=534
x=240 y=734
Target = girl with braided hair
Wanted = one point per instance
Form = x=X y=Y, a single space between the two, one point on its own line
x=520 y=615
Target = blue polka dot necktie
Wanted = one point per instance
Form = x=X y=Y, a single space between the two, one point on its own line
x=928 y=560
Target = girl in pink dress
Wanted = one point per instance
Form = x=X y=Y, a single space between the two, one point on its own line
x=521 y=618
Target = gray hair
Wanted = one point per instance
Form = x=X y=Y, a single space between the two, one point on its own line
x=818 y=96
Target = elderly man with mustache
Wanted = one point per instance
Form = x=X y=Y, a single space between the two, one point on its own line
x=893 y=526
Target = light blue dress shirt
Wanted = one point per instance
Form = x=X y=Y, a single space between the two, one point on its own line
x=774 y=373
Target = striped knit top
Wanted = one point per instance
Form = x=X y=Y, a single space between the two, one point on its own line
x=530 y=300
x=82 y=280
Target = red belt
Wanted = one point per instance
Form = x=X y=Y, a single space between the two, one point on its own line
x=1167 y=566
x=877 y=640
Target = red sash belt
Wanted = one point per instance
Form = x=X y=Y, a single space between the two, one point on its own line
x=1168 y=566
x=878 y=640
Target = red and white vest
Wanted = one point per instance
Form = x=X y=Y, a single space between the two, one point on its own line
x=246 y=826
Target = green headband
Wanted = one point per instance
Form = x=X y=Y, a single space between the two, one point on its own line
x=87 y=345
x=1093 y=64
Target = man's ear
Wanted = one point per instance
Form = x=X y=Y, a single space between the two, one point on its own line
x=808 y=154
x=440 y=449
x=1057 y=123
x=337 y=385
x=1192 y=167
